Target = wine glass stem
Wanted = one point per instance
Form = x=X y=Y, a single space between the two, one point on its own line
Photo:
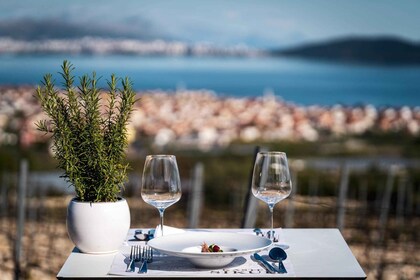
x=271 y=207
x=161 y=211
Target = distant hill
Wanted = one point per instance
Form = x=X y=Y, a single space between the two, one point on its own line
x=54 y=28
x=358 y=50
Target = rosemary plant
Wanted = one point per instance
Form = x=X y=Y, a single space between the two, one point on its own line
x=89 y=131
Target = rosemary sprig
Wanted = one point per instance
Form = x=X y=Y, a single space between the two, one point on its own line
x=89 y=143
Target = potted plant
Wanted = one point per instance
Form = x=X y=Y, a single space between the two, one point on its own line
x=88 y=127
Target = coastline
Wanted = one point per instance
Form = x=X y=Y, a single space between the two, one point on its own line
x=298 y=81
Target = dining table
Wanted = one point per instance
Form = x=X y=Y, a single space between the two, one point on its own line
x=312 y=253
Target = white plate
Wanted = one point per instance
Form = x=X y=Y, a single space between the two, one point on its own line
x=188 y=245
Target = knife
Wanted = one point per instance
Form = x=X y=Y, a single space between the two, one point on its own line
x=268 y=266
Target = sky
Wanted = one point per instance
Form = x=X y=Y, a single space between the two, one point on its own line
x=260 y=24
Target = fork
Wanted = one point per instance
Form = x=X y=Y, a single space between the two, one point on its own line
x=133 y=255
x=146 y=257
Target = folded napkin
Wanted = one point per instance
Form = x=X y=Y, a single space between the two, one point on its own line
x=167 y=230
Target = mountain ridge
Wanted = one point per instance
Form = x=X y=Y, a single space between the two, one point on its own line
x=30 y=29
x=383 y=50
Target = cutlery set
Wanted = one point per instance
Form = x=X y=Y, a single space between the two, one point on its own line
x=142 y=254
x=259 y=232
x=276 y=253
x=270 y=268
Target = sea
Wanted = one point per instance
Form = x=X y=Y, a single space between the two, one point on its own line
x=301 y=82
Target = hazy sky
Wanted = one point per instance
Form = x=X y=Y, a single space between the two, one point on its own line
x=261 y=23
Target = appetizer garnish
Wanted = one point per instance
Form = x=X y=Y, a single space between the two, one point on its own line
x=213 y=248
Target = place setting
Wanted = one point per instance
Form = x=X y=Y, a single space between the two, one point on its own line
x=204 y=252
x=230 y=251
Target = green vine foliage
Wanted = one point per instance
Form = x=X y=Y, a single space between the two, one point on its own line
x=88 y=127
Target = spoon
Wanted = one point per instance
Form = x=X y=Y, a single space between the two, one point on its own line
x=278 y=254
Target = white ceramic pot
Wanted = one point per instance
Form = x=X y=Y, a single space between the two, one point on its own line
x=100 y=227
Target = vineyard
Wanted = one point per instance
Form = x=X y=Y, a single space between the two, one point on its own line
x=375 y=206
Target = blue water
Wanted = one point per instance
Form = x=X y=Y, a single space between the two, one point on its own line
x=297 y=81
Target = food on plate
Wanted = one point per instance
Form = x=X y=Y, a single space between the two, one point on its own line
x=213 y=248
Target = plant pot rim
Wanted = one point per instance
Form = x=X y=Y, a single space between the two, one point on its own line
x=76 y=200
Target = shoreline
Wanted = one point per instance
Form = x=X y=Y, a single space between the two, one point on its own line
x=30 y=88
x=301 y=82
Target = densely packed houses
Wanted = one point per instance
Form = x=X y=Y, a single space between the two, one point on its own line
x=202 y=119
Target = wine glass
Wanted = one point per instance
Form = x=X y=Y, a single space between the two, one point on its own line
x=271 y=181
x=161 y=185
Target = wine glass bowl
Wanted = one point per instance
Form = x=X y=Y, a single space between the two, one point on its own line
x=161 y=184
x=271 y=180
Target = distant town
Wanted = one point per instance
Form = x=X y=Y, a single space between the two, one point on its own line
x=354 y=50
x=203 y=120
x=105 y=46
